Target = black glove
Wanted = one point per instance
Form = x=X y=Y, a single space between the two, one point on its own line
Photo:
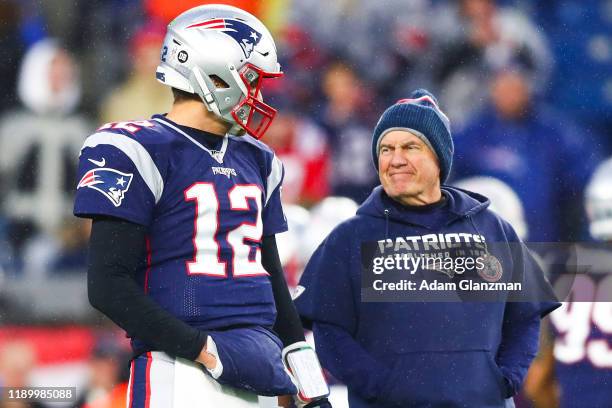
x=320 y=403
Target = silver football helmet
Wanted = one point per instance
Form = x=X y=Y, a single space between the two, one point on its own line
x=598 y=202
x=226 y=45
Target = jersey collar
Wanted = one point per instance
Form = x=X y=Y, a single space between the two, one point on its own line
x=215 y=154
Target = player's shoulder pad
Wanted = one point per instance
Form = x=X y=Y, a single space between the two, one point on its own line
x=150 y=134
x=145 y=131
x=144 y=144
x=254 y=144
x=274 y=172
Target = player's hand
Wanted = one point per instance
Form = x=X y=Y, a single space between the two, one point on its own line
x=285 y=401
x=209 y=361
x=206 y=358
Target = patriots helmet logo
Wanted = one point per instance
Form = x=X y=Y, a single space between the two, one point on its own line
x=112 y=183
x=246 y=36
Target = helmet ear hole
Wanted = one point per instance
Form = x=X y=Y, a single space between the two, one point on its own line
x=219 y=83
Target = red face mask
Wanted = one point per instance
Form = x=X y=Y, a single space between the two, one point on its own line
x=252 y=114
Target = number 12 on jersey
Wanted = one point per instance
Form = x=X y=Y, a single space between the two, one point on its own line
x=207 y=251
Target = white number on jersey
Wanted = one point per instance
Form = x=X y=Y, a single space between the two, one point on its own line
x=207 y=260
x=132 y=127
x=573 y=321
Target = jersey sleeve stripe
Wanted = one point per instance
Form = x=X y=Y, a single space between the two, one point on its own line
x=274 y=178
x=137 y=154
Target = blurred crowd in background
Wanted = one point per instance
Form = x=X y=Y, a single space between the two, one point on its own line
x=527 y=86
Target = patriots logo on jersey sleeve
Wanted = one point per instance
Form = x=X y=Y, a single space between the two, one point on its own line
x=112 y=183
x=244 y=34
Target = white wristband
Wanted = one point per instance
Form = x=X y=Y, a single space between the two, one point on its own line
x=303 y=364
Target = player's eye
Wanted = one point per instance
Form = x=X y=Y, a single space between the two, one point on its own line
x=219 y=83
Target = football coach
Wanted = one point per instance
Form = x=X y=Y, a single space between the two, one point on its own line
x=422 y=353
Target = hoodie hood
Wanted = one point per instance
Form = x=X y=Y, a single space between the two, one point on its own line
x=34 y=84
x=458 y=204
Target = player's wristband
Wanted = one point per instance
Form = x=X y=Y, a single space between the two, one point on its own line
x=303 y=364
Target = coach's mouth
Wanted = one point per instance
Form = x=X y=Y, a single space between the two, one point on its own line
x=402 y=173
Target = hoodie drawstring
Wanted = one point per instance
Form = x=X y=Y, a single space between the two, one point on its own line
x=386 y=223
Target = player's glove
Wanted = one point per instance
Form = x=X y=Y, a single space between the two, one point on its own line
x=320 y=403
x=303 y=365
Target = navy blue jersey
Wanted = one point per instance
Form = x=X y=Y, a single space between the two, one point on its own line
x=206 y=200
x=582 y=329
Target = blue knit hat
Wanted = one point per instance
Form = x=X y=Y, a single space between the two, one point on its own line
x=420 y=115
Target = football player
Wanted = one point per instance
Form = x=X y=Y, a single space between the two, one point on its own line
x=185 y=209
x=579 y=354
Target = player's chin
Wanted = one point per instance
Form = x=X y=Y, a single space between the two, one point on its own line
x=240 y=132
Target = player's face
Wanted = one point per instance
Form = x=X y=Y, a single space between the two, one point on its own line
x=408 y=169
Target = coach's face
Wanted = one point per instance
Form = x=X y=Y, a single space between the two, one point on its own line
x=408 y=169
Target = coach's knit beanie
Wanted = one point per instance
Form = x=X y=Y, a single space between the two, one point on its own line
x=421 y=116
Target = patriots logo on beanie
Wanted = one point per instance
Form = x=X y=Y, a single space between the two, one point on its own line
x=420 y=113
